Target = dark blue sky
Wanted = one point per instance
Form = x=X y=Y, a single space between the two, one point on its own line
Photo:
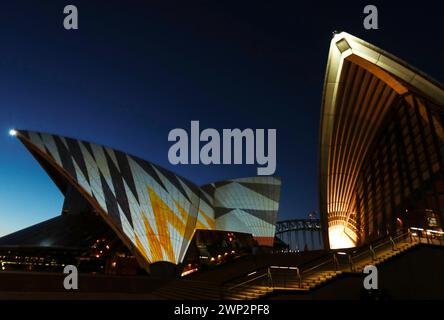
x=137 y=69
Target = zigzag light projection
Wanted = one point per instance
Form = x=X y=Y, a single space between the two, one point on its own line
x=154 y=211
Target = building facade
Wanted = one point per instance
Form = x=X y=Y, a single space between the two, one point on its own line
x=381 y=146
x=154 y=212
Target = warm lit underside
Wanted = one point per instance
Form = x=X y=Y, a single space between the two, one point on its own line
x=338 y=238
x=362 y=85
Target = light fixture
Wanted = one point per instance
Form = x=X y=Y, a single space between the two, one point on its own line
x=12 y=132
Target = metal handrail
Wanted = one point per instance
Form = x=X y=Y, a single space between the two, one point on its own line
x=248 y=281
x=299 y=277
x=356 y=255
x=335 y=261
x=352 y=259
x=251 y=272
x=372 y=249
x=402 y=235
x=372 y=252
x=430 y=236
x=317 y=266
x=298 y=272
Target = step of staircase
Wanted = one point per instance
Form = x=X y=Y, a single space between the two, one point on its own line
x=381 y=258
x=247 y=293
x=285 y=283
x=284 y=280
x=187 y=290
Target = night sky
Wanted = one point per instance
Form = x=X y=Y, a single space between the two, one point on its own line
x=137 y=69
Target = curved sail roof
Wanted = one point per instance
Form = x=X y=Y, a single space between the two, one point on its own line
x=154 y=211
x=362 y=85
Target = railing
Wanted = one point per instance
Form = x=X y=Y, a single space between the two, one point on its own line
x=345 y=260
x=285 y=276
x=426 y=236
x=261 y=276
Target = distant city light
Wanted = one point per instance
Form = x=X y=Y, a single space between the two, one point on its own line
x=12 y=132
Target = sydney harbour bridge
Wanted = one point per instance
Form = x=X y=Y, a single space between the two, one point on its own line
x=300 y=234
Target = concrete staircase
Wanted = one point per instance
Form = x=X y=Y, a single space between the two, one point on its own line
x=250 y=292
x=383 y=256
x=306 y=283
x=315 y=280
x=187 y=290
x=286 y=279
x=199 y=290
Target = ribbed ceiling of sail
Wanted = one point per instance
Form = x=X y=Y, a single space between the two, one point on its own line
x=363 y=100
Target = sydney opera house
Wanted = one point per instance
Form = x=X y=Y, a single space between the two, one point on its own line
x=121 y=212
x=381 y=146
x=381 y=175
